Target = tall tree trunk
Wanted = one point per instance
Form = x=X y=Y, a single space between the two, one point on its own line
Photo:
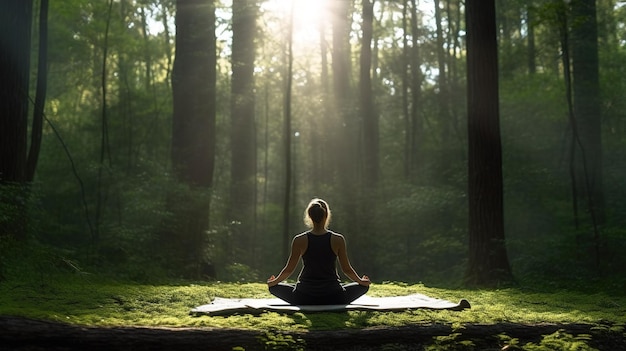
x=584 y=46
x=167 y=41
x=530 y=27
x=40 y=97
x=243 y=131
x=368 y=108
x=105 y=152
x=405 y=88
x=193 y=136
x=488 y=262
x=345 y=131
x=126 y=98
x=442 y=96
x=562 y=22
x=326 y=120
x=15 y=40
x=454 y=85
x=588 y=120
x=287 y=138
x=416 y=130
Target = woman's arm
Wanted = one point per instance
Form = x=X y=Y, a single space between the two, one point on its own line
x=298 y=245
x=344 y=262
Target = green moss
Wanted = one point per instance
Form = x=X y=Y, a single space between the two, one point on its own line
x=561 y=341
x=89 y=300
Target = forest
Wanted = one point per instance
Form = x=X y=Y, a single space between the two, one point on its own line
x=456 y=143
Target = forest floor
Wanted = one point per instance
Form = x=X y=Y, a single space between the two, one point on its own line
x=92 y=313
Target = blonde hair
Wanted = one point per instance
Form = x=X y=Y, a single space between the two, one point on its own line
x=317 y=211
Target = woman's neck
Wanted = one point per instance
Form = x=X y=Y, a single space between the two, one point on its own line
x=319 y=229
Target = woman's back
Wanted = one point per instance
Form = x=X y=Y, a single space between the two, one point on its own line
x=319 y=260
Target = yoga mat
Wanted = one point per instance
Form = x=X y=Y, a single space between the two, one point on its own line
x=225 y=306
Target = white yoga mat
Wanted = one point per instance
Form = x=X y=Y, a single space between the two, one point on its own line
x=224 y=306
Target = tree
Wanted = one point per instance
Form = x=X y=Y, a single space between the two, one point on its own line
x=586 y=89
x=193 y=134
x=345 y=131
x=413 y=80
x=488 y=262
x=15 y=41
x=443 y=100
x=40 y=95
x=243 y=130
x=531 y=61
x=368 y=108
x=287 y=138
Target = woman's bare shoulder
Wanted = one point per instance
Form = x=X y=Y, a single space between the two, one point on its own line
x=300 y=237
x=336 y=237
x=335 y=234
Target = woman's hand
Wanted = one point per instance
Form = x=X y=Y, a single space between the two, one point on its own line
x=365 y=280
x=271 y=281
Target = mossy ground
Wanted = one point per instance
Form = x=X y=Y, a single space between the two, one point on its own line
x=96 y=301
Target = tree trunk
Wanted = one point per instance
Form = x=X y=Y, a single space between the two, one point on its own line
x=322 y=127
x=442 y=96
x=417 y=128
x=584 y=46
x=287 y=139
x=405 y=89
x=15 y=40
x=488 y=262
x=193 y=135
x=40 y=97
x=243 y=131
x=531 y=62
x=105 y=151
x=368 y=108
x=454 y=81
x=345 y=131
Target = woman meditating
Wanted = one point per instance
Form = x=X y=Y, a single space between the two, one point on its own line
x=318 y=282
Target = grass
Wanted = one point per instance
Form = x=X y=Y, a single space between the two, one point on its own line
x=92 y=300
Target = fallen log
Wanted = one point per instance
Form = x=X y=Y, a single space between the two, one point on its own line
x=18 y=333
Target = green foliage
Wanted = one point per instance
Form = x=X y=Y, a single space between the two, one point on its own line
x=240 y=272
x=421 y=232
x=450 y=342
x=561 y=341
x=278 y=341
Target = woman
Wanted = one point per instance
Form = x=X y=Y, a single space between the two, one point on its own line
x=319 y=248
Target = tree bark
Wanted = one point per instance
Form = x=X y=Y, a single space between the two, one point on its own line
x=417 y=129
x=15 y=40
x=345 y=132
x=40 y=97
x=243 y=130
x=442 y=81
x=287 y=139
x=368 y=107
x=531 y=61
x=488 y=262
x=193 y=136
x=584 y=46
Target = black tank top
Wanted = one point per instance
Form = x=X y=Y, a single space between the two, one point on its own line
x=319 y=273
